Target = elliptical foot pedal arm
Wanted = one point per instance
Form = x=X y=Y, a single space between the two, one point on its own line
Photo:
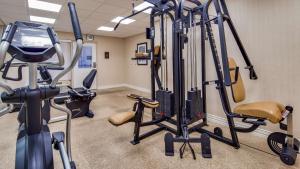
x=58 y=142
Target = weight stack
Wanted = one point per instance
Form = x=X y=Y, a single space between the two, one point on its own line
x=166 y=103
x=194 y=106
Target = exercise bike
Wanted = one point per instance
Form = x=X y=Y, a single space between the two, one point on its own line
x=34 y=141
x=76 y=100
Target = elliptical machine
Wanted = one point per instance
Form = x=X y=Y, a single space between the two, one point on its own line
x=34 y=142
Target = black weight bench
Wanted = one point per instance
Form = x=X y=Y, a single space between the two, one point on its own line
x=78 y=99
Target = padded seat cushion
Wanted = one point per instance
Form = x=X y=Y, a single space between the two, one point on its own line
x=121 y=118
x=147 y=102
x=269 y=110
x=150 y=103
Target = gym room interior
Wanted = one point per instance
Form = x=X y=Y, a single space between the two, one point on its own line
x=132 y=84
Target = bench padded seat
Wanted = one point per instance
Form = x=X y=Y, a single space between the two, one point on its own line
x=121 y=118
x=269 y=110
x=147 y=102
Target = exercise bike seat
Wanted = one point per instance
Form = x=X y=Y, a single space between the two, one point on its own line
x=268 y=110
x=80 y=93
x=87 y=83
x=78 y=99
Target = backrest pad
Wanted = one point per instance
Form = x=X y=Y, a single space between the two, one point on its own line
x=238 y=89
x=89 y=79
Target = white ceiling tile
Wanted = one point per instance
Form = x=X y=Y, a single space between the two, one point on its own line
x=120 y=3
x=6 y=3
x=111 y=10
x=88 y=4
x=92 y=14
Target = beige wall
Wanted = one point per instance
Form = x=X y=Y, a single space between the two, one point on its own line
x=138 y=76
x=110 y=71
x=269 y=30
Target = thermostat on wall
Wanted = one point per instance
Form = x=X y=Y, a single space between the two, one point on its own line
x=89 y=37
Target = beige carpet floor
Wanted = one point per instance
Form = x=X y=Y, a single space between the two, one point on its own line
x=97 y=144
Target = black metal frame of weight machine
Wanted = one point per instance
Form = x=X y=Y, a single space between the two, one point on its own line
x=178 y=66
x=223 y=76
x=159 y=9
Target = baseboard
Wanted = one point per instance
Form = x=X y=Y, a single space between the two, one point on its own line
x=223 y=121
x=110 y=86
x=137 y=88
x=124 y=85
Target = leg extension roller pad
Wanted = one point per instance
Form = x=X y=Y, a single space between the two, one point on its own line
x=121 y=118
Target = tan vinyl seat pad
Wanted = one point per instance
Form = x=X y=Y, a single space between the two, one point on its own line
x=121 y=118
x=238 y=89
x=147 y=102
x=269 y=110
x=150 y=103
x=133 y=97
x=156 y=50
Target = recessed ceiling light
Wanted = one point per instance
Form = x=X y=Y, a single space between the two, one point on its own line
x=104 y=28
x=126 y=21
x=42 y=19
x=144 y=5
x=42 y=5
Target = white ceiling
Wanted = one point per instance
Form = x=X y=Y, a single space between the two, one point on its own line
x=92 y=14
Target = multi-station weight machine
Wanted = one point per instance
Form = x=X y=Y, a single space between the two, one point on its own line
x=167 y=114
x=187 y=110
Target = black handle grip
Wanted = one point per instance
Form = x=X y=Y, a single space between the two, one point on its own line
x=55 y=68
x=53 y=36
x=252 y=73
x=9 y=33
x=75 y=21
x=18 y=78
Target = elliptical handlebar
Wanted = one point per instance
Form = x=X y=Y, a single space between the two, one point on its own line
x=79 y=43
x=6 y=41
x=75 y=21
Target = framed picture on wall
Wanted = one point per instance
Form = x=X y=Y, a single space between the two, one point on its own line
x=142 y=47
